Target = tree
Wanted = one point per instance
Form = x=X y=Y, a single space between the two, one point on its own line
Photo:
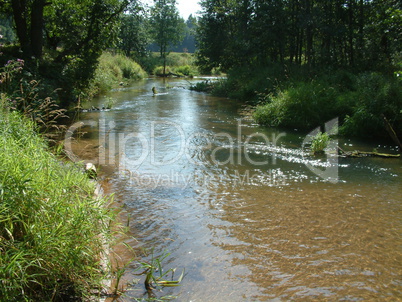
x=6 y=28
x=28 y=17
x=134 y=33
x=74 y=31
x=188 y=43
x=166 y=26
x=338 y=33
x=223 y=36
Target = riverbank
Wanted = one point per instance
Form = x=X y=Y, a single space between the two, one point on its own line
x=53 y=228
x=298 y=98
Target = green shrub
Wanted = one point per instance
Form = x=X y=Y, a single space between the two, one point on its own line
x=130 y=69
x=319 y=142
x=180 y=59
x=112 y=70
x=186 y=70
x=303 y=106
x=153 y=61
x=159 y=70
x=374 y=95
x=50 y=224
x=359 y=101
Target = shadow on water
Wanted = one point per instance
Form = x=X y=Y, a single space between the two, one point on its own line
x=239 y=206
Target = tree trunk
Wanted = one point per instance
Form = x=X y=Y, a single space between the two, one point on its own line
x=37 y=27
x=19 y=13
x=164 y=64
x=309 y=33
x=351 y=34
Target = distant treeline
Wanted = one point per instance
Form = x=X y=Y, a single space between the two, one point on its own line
x=305 y=62
x=358 y=33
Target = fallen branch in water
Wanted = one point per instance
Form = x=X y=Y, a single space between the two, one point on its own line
x=391 y=131
x=366 y=154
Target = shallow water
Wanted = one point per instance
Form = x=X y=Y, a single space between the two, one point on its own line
x=248 y=213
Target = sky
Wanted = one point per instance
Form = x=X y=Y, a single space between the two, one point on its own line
x=185 y=7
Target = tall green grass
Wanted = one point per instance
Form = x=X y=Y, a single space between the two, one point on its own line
x=179 y=63
x=51 y=225
x=113 y=69
x=303 y=106
x=360 y=101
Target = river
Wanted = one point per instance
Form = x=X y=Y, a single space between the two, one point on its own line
x=248 y=213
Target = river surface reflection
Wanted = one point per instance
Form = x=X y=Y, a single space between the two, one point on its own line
x=242 y=207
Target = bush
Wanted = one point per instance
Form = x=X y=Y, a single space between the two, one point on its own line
x=50 y=224
x=304 y=106
x=319 y=142
x=159 y=70
x=375 y=95
x=186 y=70
x=174 y=60
x=360 y=101
x=112 y=70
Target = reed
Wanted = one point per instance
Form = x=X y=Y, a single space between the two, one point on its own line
x=51 y=226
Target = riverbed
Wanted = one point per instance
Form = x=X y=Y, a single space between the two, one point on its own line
x=245 y=210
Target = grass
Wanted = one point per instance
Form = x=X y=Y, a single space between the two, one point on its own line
x=303 y=106
x=358 y=100
x=319 y=142
x=178 y=63
x=112 y=70
x=51 y=225
x=156 y=277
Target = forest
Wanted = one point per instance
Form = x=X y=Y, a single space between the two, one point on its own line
x=305 y=62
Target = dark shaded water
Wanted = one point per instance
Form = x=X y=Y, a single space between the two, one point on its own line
x=242 y=208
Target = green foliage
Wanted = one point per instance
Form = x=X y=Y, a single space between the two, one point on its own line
x=24 y=96
x=112 y=70
x=180 y=63
x=319 y=142
x=203 y=86
x=110 y=102
x=303 y=106
x=162 y=70
x=155 y=275
x=134 y=34
x=6 y=29
x=76 y=34
x=50 y=223
x=167 y=28
x=188 y=45
x=360 y=101
x=358 y=34
x=10 y=73
x=186 y=70
x=375 y=95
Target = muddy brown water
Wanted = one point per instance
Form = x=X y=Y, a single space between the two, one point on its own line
x=243 y=209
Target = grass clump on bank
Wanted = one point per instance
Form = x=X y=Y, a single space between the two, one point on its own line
x=182 y=64
x=292 y=97
x=360 y=101
x=50 y=223
x=112 y=70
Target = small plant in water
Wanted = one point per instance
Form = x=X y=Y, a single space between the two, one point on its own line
x=109 y=103
x=156 y=277
x=319 y=142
